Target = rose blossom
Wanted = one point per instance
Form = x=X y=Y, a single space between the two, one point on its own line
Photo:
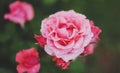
x=67 y=33
x=20 y=12
x=28 y=61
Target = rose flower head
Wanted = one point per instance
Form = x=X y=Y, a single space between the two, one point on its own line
x=67 y=34
x=28 y=61
x=20 y=12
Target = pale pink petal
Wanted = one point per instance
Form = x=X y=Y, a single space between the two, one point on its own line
x=71 y=44
x=71 y=56
x=79 y=43
x=87 y=39
x=48 y=50
x=56 y=51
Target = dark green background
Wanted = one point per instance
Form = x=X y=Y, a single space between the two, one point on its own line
x=106 y=15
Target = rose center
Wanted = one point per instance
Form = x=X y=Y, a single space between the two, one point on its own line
x=65 y=30
x=64 y=42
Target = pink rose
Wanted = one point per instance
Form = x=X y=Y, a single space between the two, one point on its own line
x=67 y=33
x=28 y=61
x=20 y=12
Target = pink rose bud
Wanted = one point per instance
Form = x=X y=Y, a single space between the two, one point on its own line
x=41 y=40
x=28 y=61
x=20 y=12
x=61 y=63
x=89 y=50
x=96 y=31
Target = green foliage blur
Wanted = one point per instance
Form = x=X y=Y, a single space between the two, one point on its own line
x=106 y=15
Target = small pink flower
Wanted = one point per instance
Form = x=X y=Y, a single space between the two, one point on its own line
x=41 y=40
x=20 y=12
x=96 y=31
x=61 y=63
x=28 y=61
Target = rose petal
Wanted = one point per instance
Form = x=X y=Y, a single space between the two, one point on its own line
x=69 y=45
x=71 y=56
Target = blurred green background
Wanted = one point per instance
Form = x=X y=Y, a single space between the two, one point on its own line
x=106 y=15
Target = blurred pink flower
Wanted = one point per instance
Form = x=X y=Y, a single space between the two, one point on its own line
x=28 y=61
x=20 y=12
